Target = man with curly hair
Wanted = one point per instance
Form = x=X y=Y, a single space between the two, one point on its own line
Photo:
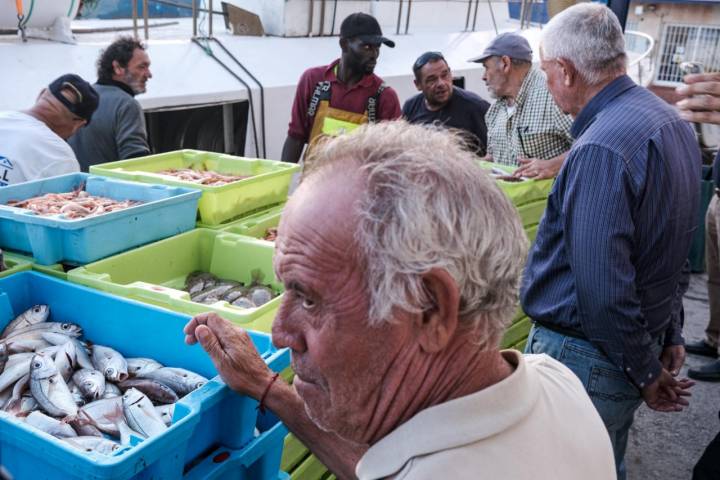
x=118 y=127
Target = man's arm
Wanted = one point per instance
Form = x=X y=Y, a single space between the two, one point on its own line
x=242 y=369
x=130 y=133
x=389 y=105
x=599 y=231
x=292 y=150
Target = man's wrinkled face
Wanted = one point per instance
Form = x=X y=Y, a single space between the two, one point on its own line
x=556 y=83
x=495 y=77
x=361 y=56
x=435 y=83
x=340 y=362
x=137 y=72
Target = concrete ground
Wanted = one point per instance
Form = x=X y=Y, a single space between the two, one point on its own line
x=665 y=445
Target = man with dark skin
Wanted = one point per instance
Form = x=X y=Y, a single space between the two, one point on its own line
x=442 y=103
x=336 y=98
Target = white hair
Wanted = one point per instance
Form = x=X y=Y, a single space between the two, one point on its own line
x=590 y=36
x=427 y=204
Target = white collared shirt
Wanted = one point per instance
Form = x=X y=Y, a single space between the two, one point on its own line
x=538 y=423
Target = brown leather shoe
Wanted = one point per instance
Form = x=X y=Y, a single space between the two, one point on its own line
x=701 y=347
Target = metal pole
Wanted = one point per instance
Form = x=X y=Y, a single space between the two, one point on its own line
x=407 y=17
x=467 y=18
x=134 y=14
x=397 y=30
x=322 y=18
x=210 y=24
x=477 y=3
x=492 y=15
x=194 y=14
x=145 y=19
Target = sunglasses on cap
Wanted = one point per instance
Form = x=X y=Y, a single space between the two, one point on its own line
x=426 y=57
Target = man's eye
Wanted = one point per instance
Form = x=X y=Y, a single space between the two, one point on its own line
x=308 y=304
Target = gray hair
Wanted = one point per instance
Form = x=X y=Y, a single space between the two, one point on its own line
x=590 y=36
x=427 y=204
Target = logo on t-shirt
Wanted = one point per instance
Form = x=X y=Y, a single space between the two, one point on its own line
x=5 y=167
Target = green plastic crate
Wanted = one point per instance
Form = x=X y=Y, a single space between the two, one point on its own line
x=255 y=225
x=57 y=270
x=156 y=273
x=15 y=263
x=268 y=183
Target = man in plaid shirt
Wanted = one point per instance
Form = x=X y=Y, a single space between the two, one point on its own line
x=525 y=126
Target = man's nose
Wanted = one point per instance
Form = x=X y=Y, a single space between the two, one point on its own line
x=149 y=73
x=287 y=332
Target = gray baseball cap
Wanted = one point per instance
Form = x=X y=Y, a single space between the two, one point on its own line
x=511 y=44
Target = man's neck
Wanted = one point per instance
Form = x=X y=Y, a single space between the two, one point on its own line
x=43 y=115
x=347 y=75
x=586 y=92
x=515 y=83
x=461 y=369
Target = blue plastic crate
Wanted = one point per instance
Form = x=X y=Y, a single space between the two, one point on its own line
x=165 y=211
x=207 y=422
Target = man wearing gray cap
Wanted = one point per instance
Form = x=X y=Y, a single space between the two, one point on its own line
x=525 y=126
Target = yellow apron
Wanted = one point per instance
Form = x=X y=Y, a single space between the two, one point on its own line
x=330 y=122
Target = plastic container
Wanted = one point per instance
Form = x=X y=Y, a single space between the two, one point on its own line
x=14 y=263
x=256 y=225
x=211 y=419
x=268 y=183
x=156 y=273
x=165 y=211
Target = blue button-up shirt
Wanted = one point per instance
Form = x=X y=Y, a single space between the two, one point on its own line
x=617 y=229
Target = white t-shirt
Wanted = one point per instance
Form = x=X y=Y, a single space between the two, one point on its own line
x=538 y=423
x=29 y=150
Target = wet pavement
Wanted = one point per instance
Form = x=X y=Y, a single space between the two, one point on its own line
x=667 y=445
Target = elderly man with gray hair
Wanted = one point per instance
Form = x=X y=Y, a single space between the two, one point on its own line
x=397 y=295
x=602 y=283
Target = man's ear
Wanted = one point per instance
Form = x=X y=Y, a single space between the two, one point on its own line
x=417 y=84
x=343 y=44
x=506 y=63
x=438 y=323
x=569 y=72
x=117 y=69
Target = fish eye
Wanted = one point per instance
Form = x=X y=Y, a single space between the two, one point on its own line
x=65 y=326
x=37 y=365
x=36 y=309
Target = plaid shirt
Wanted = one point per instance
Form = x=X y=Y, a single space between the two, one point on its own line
x=536 y=129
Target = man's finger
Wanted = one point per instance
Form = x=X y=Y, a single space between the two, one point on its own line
x=701 y=77
x=209 y=341
x=700 y=103
x=701 y=117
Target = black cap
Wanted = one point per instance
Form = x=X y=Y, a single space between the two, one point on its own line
x=364 y=27
x=87 y=97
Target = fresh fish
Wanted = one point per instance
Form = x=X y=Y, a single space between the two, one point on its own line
x=16 y=367
x=112 y=390
x=17 y=392
x=199 y=281
x=154 y=390
x=214 y=292
x=86 y=429
x=234 y=293
x=54 y=427
x=110 y=362
x=76 y=394
x=31 y=316
x=137 y=367
x=243 y=302
x=93 y=444
x=4 y=355
x=141 y=415
x=26 y=405
x=102 y=414
x=180 y=380
x=5 y=396
x=49 y=388
x=65 y=360
x=126 y=433
x=25 y=345
x=81 y=352
x=166 y=412
x=260 y=295
x=91 y=383
x=36 y=330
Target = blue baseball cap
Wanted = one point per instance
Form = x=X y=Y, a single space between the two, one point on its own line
x=508 y=44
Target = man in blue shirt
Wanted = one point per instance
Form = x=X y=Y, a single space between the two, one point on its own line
x=602 y=282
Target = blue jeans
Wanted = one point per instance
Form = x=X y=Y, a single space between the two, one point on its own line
x=615 y=397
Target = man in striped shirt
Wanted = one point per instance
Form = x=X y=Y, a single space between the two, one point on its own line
x=602 y=282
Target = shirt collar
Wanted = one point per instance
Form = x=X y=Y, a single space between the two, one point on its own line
x=330 y=76
x=120 y=85
x=528 y=82
x=448 y=425
x=599 y=102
